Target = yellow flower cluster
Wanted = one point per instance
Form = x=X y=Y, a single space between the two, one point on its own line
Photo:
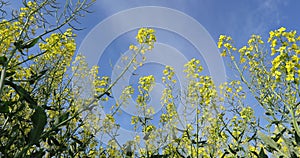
x=146 y=82
x=226 y=42
x=285 y=54
x=199 y=87
x=59 y=50
x=167 y=99
x=233 y=90
x=247 y=114
x=284 y=46
x=59 y=44
x=145 y=85
x=126 y=93
x=193 y=68
x=134 y=120
x=9 y=33
x=169 y=73
x=146 y=38
x=108 y=123
x=112 y=149
x=28 y=13
x=149 y=128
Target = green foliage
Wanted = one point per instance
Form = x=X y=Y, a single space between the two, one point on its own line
x=38 y=115
x=39 y=120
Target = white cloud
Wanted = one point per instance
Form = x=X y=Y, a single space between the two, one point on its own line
x=267 y=14
x=264 y=16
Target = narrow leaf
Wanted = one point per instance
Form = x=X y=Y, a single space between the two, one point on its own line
x=3 y=60
x=23 y=94
x=62 y=118
x=4 y=107
x=76 y=140
x=267 y=140
x=262 y=154
x=39 y=120
x=55 y=141
x=31 y=43
x=278 y=135
x=297 y=139
x=9 y=74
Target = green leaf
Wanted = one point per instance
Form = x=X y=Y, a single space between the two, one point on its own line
x=76 y=140
x=54 y=140
x=62 y=118
x=40 y=153
x=39 y=120
x=233 y=151
x=293 y=155
x=278 y=135
x=23 y=94
x=253 y=152
x=3 y=60
x=9 y=74
x=268 y=140
x=262 y=154
x=31 y=43
x=4 y=107
x=35 y=77
x=297 y=138
x=18 y=44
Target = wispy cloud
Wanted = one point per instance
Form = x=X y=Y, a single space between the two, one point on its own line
x=259 y=17
x=266 y=16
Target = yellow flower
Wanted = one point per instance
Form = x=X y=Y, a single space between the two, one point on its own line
x=277 y=74
x=227 y=45
x=273 y=51
x=242 y=50
x=229 y=90
x=221 y=39
x=134 y=120
x=294 y=46
x=223 y=54
x=289 y=66
x=131 y=47
x=274 y=43
x=282 y=29
x=232 y=57
x=242 y=60
x=290 y=77
x=252 y=148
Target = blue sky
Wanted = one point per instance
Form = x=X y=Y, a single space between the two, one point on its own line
x=238 y=18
